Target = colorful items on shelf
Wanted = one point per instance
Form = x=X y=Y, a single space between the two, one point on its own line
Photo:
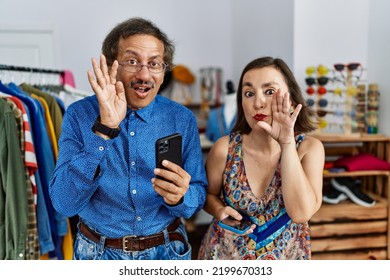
x=316 y=81
x=346 y=111
x=372 y=109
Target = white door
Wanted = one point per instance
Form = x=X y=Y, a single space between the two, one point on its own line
x=26 y=47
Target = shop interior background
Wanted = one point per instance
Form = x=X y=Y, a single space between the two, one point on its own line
x=220 y=33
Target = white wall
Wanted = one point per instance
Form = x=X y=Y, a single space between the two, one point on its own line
x=379 y=57
x=261 y=28
x=328 y=32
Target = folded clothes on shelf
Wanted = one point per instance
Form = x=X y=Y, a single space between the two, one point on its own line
x=362 y=162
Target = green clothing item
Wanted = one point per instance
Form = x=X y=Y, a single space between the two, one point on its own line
x=54 y=108
x=13 y=194
x=32 y=246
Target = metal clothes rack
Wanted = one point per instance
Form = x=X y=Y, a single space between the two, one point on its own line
x=30 y=69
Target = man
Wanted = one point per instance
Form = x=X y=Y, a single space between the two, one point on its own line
x=106 y=171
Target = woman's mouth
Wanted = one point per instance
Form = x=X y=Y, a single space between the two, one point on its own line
x=259 y=117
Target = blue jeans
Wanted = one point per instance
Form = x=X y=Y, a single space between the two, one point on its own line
x=85 y=249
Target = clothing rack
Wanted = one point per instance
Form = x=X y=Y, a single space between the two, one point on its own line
x=30 y=69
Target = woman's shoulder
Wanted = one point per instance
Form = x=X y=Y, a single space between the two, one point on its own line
x=310 y=143
x=311 y=140
x=227 y=139
x=222 y=143
x=221 y=147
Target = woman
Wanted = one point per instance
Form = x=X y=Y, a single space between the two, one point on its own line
x=266 y=171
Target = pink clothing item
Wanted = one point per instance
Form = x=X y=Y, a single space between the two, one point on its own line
x=67 y=78
x=362 y=161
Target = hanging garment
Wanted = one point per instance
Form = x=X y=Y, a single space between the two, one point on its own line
x=30 y=166
x=70 y=94
x=44 y=153
x=53 y=243
x=216 y=124
x=13 y=194
x=53 y=108
x=49 y=125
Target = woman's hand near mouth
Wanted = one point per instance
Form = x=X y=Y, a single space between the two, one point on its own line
x=283 y=121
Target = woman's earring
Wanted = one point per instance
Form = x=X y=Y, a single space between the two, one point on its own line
x=291 y=110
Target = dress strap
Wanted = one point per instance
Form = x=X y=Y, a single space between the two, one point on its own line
x=299 y=138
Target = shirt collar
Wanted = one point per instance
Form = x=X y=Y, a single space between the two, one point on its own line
x=145 y=113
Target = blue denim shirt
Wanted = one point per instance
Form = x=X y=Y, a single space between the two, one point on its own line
x=108 y=182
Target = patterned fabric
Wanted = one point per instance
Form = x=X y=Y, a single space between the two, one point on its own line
x=287 y=240
x=30 y=159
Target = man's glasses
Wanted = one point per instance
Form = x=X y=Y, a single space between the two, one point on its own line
x=133 y=66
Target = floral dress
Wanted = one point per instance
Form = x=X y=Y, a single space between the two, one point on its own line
x=275 y=236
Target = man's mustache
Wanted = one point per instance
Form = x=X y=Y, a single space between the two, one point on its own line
x=141 y=83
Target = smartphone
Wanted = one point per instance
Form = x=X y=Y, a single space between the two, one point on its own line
x=236 y=226
x=169 y=148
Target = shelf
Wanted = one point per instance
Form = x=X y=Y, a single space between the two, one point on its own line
x=357 y=174
x=340 y=138
x=350 y=231
x=347 y=231
x=349 y=211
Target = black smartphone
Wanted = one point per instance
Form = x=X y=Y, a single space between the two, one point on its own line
x=169 y=148
x=236 y=226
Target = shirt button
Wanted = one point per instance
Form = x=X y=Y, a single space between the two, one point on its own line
x=132 y=113
x=132 y=133
x=101 y=148
x=139 y=219
x=133 y=163
x=21 y=255
x=134 y=191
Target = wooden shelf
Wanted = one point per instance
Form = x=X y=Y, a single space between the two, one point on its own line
x=369 y=254
x=350 y=231
x=357 y=174
x=349 y=211
x=341 y=138
x=347 y=231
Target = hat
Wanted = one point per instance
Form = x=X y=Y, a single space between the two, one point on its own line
x=182 y=74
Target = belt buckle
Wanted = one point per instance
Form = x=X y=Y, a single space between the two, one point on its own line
x=128 y=239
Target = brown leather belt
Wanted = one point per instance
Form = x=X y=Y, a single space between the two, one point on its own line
x=135 y=243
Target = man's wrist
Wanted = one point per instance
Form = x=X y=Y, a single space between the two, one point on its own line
x=104 y=131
